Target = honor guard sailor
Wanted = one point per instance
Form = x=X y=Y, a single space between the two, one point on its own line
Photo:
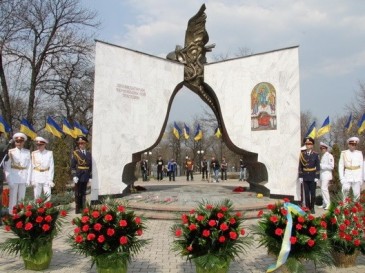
x=309 y=170
x=17 y=170
x=42 y=169
x=327 y=165
x=81 y=172
x=350 y=168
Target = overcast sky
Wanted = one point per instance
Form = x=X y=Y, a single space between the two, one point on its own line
x=330 y=35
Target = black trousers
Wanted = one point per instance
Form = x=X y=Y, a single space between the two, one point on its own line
x=189 y=173
x=309 y=193
x=204 y=172
x=172 y=175
x=80 y=196
x=224 y=174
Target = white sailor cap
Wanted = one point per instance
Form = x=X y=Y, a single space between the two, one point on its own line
x=19 y=136
x=322 y=144
x=353 y=140
x=40 y=140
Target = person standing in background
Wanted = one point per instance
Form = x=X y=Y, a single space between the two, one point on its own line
x=17 y=170
x=189 y=165
x=81 y=164
x=350 y=169
x=144 y=169
x=160 y=166
x=214 y=165
x=171 y=169
x=204 y=168
x=42 y=169
x=327 y=164
x=224 y=167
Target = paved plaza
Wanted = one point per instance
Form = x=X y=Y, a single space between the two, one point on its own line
x=157 y=256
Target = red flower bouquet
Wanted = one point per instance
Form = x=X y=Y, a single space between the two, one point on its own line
x=211 y=235
x=288 y=228
x=109 y=233
x=35 y=224
x=346 y=226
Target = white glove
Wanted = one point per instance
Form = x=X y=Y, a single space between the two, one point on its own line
x=51 y=184
x=301 y=180
x=75 y=179
x=343 y=180
x=90 y=180
x=316 y=180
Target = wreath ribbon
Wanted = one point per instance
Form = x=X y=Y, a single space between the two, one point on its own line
x=286 y=245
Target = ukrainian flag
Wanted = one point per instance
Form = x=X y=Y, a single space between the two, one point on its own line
x=198 y=133
x=176 y=131
x=361 y=125
x=4 y=126
x=186 y=131
x=77 y=129
x=53 y=127
x=348 y=124
x=84 y=130
x=311 y=131
x=67 y=128
x=27 y=128
x=217 y=132
x=325 y=127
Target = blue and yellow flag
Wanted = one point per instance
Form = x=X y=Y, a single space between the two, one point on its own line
x=68 y=129
x=53 y=127
x=311 y=131
x=217 y=133
x=176 y=131
x=198 y=133
x=77 y=129
x=84 y=130
x=27 y=128
x=186 y=131
x=361 y=125
x=4 y=126
x=325 y=127
x=348 y=124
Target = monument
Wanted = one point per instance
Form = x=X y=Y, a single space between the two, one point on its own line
x=255 y=98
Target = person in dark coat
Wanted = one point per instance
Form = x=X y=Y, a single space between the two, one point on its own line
x=81 y=171
x=309 y=171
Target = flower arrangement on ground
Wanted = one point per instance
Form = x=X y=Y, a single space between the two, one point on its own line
x=35 y=225
x=346 y=226
x=211 y=235
x=293 y=235
x=108 y=233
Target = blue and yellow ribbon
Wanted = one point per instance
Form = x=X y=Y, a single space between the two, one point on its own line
x=286 y=245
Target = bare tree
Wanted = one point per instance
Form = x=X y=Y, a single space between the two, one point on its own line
x=38 y=39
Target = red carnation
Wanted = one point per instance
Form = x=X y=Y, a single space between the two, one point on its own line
x=63 y=213
x=311 y=242
x=97 y=226
x=312 y=230
x=103 y=208
x=310 y=217
x=260 y=213
x=39 y=219
x=48 y=205
x=271 y=206
x=90 y=236
x=274 y=218
x=123 y=240
x=206 y=233
x=283 y=211
x=85 y=211
x=85 y=219
x=208 y=206
x=85 y=228
x=298 y=226
x=184 y=218
x=121 y=209
x=178 y=232
x=233 y=235
x=28 y=213
x=286 y=200
x=232 y=221
x=323 y=224
x=139 y=232
x=77 y=230
x=110 y=232
x=46 y=227
x=39 y=200
x=101 y=238
x=301 y=219
x=48 y=218
x=333 y=220
x=222 y=239
x=28 y=207
x=190 y=248
x=95 y=214
x=279 y=231
x=192 y=227
x=28 y=226
x=138 y=220
x=224 y=208
x=293 y=240
x=7 y=228
x=212 y=223
x=238 y=214
x=223 y=226
x=41 y=210
x=200 y=218
x=108 y=217
x=243 y=232
x=342 y=227
x=123 y=223
x=220 y=215
x=357 y=242
x=192 y=211
x=79 y=239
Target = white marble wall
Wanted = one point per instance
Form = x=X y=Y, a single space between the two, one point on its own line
x=233 y=82
x=132 y=92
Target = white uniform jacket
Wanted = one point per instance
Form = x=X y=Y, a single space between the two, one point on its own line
x=18 y=167
x=327 y=164
x=42 y=167
x=350 y=166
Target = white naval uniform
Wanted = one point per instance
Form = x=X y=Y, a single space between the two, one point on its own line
x=327 y=164
x=17 y=174
x=350 y=170
x=42 y=172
